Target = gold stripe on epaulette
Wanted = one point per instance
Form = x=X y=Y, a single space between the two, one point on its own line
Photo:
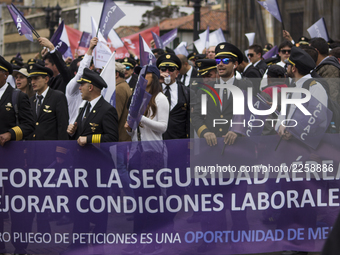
x=96 y=138
x=18 y=133
x=199 y=131
x=61 y=150
x=312 y=83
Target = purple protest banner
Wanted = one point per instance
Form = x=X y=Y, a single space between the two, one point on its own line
x=250 y=199
x=272 y=7
x=146 y=55
x=311 y=128
x=158 y=41
x=139 y=101
x=271 y=53
x=169 y=37
x=60 y=39
x=110 y=15
x=22 y=27
x=251 y=124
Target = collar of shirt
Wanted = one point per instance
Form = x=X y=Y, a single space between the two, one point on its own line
x=282 y=64
x=247 y=67
x=128 y=79
x=3 y=89
x=187 y=80
x=323 y=60
x=257 y=62
x=43 y=94
x=228 y=82
x=93 y=102
x=300 y=82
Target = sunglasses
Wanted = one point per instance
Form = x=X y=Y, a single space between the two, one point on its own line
x=128 y=67
x=224 y=61
x=250 y=55
x=285 y=51
x=170 y=68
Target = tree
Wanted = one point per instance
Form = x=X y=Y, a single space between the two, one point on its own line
x=158 y=13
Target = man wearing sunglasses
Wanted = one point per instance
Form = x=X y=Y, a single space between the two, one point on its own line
x=255 y=56
x=130 y=77
x=284 y=53
x=227 y=58
x=178 y=96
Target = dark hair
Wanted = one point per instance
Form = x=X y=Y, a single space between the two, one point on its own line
x=285 y=43
x=158 y=52
x=257 y=48
x=335 y=52
x=155 y=88
x=320 y=44
x=311 y=51
x=245 y=59
x=302 y=70
x=334 y=45
x=74 y=65
x=49 y=57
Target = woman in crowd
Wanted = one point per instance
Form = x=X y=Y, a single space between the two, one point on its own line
x=23 y=82
x=151 y=154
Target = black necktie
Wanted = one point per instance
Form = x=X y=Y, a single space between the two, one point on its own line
x=185 y=76
x=87 y=112
x=39 y=104
x=167 y=94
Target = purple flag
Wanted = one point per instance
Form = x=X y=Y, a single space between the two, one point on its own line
x=272 y=7
x=146 y=55
x=85 y=40
x=158 y=41
x=111 y=14
x=169 y=37
x=60 y=39
x=271 y=53
x=19 y=21
x=310 y=129
x=250 y=124
x=319 y=29
x=140 y=100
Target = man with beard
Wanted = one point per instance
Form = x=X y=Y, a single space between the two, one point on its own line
x=227 y=57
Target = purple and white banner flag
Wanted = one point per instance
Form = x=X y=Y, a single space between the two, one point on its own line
x=60 y=39
x=146 y=55
x=319 y=29
x=272 y=7
x=110 y=15
x=169 y=37
x=19 y=21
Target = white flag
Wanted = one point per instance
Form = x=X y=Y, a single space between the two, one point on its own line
x=200 y=45
x=216 y=37
x=115 y=39
x=109 y=76
x=182 y=49
x=319 y=29
x=251 y=37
